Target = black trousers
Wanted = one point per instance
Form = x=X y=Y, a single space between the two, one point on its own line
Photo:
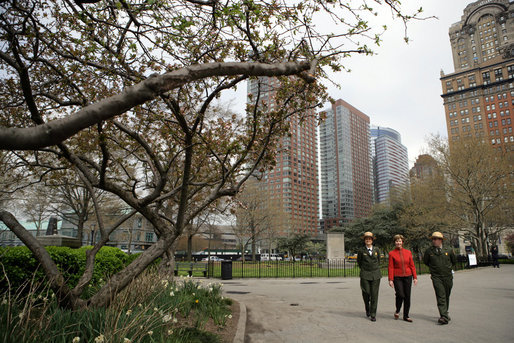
x=402 y=287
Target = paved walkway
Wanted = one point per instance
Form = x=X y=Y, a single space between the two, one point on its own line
x=331 y=310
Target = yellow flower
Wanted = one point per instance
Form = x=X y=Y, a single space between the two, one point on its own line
x=126 y=340
x=150 y=333
x=76 y=340
x=170 y=332
x=196 y=301
x=166 y=318
x=129 y=312
x=100 y=339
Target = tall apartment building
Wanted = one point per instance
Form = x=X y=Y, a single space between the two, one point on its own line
x=294 y=180
x=346 y=177
x=479 y=95
x=390 y=163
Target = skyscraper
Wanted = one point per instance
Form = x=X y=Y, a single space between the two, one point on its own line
x=479 y=95
x=390 y=163
x=294 y=180
x=346 y=178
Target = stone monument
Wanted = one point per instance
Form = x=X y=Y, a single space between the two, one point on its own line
x=335 y=246
x=52 y=237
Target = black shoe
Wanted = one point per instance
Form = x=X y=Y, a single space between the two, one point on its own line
x=367 y=314
x=442 y=321
x=373 y=319
x=407 y=319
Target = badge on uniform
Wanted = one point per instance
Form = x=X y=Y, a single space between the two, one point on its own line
x=446 y=253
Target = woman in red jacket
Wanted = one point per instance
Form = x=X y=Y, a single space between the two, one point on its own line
x=401 y=273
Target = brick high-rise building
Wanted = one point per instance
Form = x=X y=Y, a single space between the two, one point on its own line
x=479 y=95
x=294 y=180
x=346 y=176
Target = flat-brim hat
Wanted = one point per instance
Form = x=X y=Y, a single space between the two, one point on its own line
x=368 y=234
x=437 y=234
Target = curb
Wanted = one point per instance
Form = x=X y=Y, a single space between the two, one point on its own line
x=241 y=325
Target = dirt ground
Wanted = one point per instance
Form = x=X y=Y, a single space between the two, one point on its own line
x=228 y=332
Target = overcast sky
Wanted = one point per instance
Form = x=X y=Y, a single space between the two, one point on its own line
x=399 y=86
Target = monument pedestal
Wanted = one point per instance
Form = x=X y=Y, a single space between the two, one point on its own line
x=59 y=241
x=335 y=246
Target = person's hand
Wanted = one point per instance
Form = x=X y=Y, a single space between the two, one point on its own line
x=391 y=283
x=415 y=282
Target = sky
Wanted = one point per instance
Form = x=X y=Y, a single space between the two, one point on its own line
x=399 y=86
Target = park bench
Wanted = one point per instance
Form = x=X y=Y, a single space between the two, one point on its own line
x=191 y=267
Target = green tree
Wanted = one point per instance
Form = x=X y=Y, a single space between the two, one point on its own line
x=125 y=95
x=294 y=244
x=384 y=223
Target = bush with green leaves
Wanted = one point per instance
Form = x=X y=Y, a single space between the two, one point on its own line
x=18 y=265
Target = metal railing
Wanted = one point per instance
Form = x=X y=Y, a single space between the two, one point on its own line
x=301 y=269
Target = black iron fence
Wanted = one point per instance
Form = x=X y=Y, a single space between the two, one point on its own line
x=303 y=269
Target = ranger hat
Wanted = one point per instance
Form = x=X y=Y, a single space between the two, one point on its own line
x=368 y=234
x=437 y=234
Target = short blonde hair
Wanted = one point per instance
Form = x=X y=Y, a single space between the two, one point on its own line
x=397 y=237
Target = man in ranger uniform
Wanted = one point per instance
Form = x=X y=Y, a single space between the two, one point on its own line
x=441 y=261
x=368 y=259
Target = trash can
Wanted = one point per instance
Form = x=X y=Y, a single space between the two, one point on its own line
x=226 y=270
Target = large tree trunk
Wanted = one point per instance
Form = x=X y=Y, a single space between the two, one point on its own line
x=167 y=265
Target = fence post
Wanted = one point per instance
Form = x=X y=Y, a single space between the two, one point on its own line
x=344 y=267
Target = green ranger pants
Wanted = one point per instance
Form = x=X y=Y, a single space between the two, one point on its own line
x=370 y=295
x=443 y=287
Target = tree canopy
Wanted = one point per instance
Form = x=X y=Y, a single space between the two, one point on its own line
x=124 y=95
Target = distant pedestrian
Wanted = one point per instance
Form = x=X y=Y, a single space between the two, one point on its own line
x=494 y=255
x=402 y=272
x=368 y=259
x=441 y=261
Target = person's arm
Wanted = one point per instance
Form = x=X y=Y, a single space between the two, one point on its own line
x=413 y=269
x=359 y=258
x=453 y=259
x=390 y=269
x=378 y=255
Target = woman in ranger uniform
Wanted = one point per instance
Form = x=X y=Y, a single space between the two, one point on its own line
x=368 y=259
x=441 y=261
x=401 y=273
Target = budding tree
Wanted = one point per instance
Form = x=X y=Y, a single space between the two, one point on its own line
x=124 y=94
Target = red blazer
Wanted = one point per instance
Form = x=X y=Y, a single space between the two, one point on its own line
x=401 y=264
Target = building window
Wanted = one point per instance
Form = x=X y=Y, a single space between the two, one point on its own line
x=498 y=74
x=486 y=76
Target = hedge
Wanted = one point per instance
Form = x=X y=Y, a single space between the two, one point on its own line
x=18 y=265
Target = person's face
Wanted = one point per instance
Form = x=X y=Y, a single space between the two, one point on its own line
x=368 y=241
x=437 y=242
x=398 y=243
